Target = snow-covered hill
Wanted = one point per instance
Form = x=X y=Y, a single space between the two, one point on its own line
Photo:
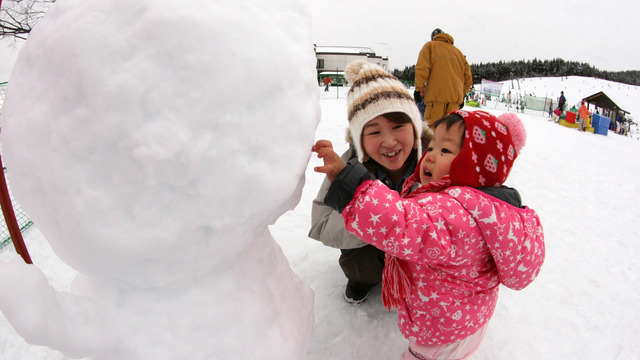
x=575 y=89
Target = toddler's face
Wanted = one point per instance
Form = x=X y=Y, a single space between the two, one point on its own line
x=443 y=148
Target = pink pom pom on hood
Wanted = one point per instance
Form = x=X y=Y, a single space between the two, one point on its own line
x=516 y=128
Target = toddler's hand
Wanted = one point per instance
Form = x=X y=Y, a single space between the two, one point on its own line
x=333 y=164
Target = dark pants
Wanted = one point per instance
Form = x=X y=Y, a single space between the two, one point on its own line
x=362 y=266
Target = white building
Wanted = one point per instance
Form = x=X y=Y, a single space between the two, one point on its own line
x=334 y=59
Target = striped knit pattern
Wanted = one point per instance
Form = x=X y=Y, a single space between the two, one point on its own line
x=375 y=92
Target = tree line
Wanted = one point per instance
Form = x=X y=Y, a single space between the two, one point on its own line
x=507 y=70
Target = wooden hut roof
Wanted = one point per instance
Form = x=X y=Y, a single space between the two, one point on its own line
x=600 y=99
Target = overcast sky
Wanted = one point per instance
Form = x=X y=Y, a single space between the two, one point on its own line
x=603 y=33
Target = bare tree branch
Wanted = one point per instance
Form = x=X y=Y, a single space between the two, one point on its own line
x=18 y=17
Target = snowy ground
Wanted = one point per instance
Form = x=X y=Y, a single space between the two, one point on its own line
x=582 y=306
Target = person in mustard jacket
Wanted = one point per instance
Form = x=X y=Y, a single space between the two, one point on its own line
x=443 y=76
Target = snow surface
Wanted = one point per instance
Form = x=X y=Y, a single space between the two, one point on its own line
x=582 y=306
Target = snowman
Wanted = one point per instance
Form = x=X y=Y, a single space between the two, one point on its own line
x=152 y=143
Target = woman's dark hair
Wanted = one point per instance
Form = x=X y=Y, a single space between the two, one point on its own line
x=397 y=117
x=449 y=121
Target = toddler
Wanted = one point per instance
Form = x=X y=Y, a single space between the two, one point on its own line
x=453 y=235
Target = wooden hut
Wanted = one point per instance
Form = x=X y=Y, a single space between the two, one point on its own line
x=601 y=100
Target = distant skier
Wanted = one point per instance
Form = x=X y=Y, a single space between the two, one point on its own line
x=583 y=113
x=561 y=102
x=327 y=81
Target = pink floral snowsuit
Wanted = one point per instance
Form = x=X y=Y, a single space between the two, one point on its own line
x=457 y=245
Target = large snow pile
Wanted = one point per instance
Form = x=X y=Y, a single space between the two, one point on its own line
x=153 y=142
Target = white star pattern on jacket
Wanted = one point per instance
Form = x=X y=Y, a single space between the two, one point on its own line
x=458 y=246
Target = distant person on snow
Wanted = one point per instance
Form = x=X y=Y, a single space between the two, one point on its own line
x=583 y=113
x=561 y=102
x=555 y=117
x=327 y=81
x=443 y=76
x=453 y=236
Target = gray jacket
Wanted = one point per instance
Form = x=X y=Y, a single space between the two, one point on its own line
x=327 y=225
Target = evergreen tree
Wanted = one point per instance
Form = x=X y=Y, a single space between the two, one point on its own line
x=502 y=70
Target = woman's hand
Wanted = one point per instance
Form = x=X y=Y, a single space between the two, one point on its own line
x=333 y=164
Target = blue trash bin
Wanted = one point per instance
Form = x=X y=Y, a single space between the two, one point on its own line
x=601 y=124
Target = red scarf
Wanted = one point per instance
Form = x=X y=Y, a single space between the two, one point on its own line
x=396 y=284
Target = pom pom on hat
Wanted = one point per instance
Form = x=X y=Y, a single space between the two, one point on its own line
x=375 y=92
x=516 y=128
x=490 y=147
x=352 y=72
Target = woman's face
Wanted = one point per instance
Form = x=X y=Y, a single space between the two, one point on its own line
x=387 y=142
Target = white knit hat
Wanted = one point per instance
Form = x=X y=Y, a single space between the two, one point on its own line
x=375 y=92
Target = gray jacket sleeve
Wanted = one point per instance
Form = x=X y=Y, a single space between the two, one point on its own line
x=327 y=225
x=344 y=187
